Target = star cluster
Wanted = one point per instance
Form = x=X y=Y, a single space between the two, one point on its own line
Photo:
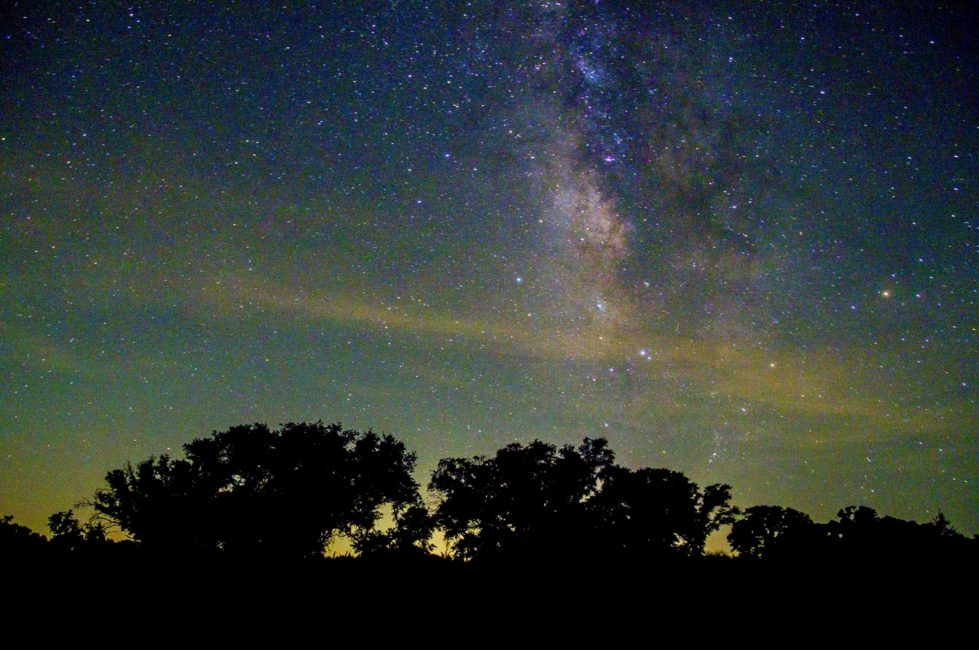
x=736 y=239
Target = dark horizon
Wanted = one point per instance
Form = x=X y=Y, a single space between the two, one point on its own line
x=256 y=496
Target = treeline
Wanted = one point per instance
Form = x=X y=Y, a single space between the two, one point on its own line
x=255 y=493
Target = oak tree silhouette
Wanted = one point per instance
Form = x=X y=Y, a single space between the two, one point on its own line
x=526 y=500
x=536 y=500
x=257 y=492
x=767 y=532
x=659 y=513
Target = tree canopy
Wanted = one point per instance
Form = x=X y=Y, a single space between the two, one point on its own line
x=284 y=494
x=525 y=499
x=857 y=534
x=253 y=490
x=536 y=498
x=659 y=512
x=17 y=540
x=770 y=531
x=69 y=534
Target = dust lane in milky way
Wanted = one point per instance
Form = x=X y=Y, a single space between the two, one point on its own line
x=736 y=240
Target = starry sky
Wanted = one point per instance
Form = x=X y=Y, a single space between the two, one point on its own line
x=737 y=239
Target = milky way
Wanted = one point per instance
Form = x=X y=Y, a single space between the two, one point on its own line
x=736 y=239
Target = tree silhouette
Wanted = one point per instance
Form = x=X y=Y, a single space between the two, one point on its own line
x=537 y=500
x=68 y=534
x=659 y=512
x=860 y=534
x=410 y=535
x=770 y=531
x=19 y=542
x=255 y=491
x=258 y=493
x=526 y=500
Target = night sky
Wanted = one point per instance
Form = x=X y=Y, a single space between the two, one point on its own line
x=738 y=239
